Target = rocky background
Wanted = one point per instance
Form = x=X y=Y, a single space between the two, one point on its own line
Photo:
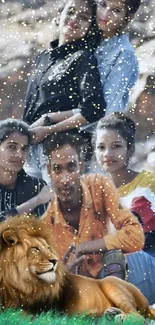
x=27 y=27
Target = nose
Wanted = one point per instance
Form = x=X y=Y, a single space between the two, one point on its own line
x=65 y=179
x=107 y=152
x=105 y=14
x=53 y=261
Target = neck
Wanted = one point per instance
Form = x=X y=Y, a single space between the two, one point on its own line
x=109 y=34
x=123 y=176
x=8 y=178
x=62 y=40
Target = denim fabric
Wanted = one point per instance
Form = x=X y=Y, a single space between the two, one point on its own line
x=141 y=273
x=118 y=67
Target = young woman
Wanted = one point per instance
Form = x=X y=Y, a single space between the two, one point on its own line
x=114 y=142
x=117 y=62
x=19 y=193
x=65 y=84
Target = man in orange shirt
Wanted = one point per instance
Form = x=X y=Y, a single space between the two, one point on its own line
x=85 y=209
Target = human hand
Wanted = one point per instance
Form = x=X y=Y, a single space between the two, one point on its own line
x=76 y=263
x=45 y=195
x=39 y=133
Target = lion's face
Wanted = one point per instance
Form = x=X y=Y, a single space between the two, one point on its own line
x=42 y=263
x=29 y=266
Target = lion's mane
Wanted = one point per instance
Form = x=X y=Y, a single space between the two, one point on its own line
x=18 y=286
x=33 y=277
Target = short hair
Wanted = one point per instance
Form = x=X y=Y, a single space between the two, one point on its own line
x=11 y=125
x=132 y=6
x=122 y=124
x=57 y=140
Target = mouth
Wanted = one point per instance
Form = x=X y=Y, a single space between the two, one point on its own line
x=66 y=191
x=17 y=163
x=72 y=27
x=109 y=162
x=103 y=21
x=45 y=272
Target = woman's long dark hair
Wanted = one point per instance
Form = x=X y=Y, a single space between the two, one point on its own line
x=10 y=126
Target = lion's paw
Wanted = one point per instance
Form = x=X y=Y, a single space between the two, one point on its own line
x=119 y=319
x=112 y=312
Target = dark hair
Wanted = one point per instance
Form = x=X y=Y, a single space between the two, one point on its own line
x=11 y=125
x=150 y=85
x=122 y=124
x=58 y=140
x=93 y=36
x=132 y=6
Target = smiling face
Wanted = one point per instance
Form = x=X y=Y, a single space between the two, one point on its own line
x=111 y=150
x=13 y=152
x=111 y=16
x=64 y=169
x=75 y=20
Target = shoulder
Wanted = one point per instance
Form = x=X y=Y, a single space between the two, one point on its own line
x=31 y=183
x=116 y=46
x=145 y=179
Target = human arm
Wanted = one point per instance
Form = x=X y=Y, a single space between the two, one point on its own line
x=43 y=197
x=129 y=236
x=39 y=133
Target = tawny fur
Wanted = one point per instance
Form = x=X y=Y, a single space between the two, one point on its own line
x=27 y=249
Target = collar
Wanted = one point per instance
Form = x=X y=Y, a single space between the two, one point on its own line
x=86 y=205
x=67 y=48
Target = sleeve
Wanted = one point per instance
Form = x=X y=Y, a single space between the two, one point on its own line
x=8 y=213
x=31 y=89
x=129 y=236
x=92 y=103
x=40 y=209
x=121 y=79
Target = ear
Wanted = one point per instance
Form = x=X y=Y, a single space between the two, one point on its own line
x=10 y=237
x=131 y=150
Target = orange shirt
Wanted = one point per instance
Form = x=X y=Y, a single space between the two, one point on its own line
x=100 y=209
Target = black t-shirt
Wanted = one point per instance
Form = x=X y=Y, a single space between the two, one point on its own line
x=26 y=188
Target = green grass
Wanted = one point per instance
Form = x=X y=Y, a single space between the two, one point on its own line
x=12 y=317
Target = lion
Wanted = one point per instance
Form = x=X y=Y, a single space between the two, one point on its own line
x=34 y=278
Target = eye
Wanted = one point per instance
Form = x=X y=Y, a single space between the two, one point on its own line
x=101 y=147
x=35 y=250
x=25 y=149
x=102 y=4
x=72 y=166
x=116 y=10
x=12 y=147
x=57 y=169
x=116 y=146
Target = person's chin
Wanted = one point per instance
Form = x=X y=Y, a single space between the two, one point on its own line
x=110 y=168
x=16 y=168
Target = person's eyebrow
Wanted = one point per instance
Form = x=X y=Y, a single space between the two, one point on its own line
x=13 y=142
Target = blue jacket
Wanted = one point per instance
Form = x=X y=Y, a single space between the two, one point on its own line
x=118 y=67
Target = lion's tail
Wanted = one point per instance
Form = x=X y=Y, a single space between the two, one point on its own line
x=150 y=312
